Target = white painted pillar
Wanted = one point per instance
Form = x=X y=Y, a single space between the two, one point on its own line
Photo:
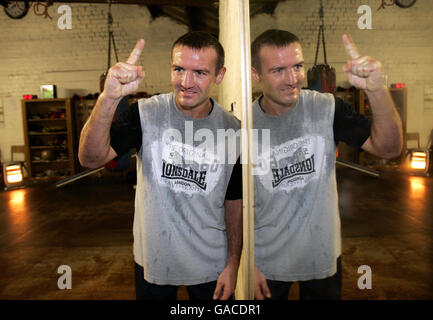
x=234 y=20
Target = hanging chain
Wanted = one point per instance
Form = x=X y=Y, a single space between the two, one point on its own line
x=317 y=46
x=110 y=36
x=322 y=19
x=321 y=33
x=109 y=28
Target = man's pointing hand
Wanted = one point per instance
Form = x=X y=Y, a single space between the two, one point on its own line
x=124 y=77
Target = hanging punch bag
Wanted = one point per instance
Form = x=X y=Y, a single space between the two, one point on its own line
x=321 y=77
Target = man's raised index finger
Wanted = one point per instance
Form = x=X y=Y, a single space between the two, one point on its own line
x=135 y=54
x=350 y=46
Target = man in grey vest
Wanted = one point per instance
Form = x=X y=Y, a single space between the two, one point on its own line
x=297 y=224
x=188 y=208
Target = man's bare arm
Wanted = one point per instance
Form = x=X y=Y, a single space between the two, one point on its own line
x=234 y=227
x=226 y=282
x=94 y=149
x=364 y=72
x=386 y=138
x=122 y=79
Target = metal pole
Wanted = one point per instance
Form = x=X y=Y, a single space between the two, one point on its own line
x=358 y=168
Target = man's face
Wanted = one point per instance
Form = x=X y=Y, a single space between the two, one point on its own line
x=281 y=75
x=193 y=74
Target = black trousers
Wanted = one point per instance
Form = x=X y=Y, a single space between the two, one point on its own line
x=148 y=291
x=323 y=289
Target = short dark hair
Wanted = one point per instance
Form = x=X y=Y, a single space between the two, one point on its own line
x=200 y=40
x=271 y=37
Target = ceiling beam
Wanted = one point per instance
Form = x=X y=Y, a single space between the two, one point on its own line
x=184 y=3
x=155 y=11
x=193 y=14
x=195 y=3
x=196 y=14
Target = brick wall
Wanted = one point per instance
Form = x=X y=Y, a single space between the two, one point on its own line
x=34 y=51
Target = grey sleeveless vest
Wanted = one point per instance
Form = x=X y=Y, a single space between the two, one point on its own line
x=179 y=229
x=297 y=224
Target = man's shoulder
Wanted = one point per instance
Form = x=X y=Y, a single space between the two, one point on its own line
x=307 y=93
x=317 y=99
x=157 y=101
x=228 y=116
x=256 y=102
x=156 y=98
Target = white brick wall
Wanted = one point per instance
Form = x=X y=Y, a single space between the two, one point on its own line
x=400 y=38
x=34 y=51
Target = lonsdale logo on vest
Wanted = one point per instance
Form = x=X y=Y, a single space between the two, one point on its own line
x=292 y=170
x=294 y=164
x=171 y=171
x=186 y=168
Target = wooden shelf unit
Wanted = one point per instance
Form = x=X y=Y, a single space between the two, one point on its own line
x=49 y=134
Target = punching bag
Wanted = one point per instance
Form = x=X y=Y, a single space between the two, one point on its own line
x=321 y=77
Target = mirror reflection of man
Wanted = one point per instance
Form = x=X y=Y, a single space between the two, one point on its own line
x=297 y=224
x=186 y=232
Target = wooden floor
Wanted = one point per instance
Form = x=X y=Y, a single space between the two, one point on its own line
x=387 y=224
